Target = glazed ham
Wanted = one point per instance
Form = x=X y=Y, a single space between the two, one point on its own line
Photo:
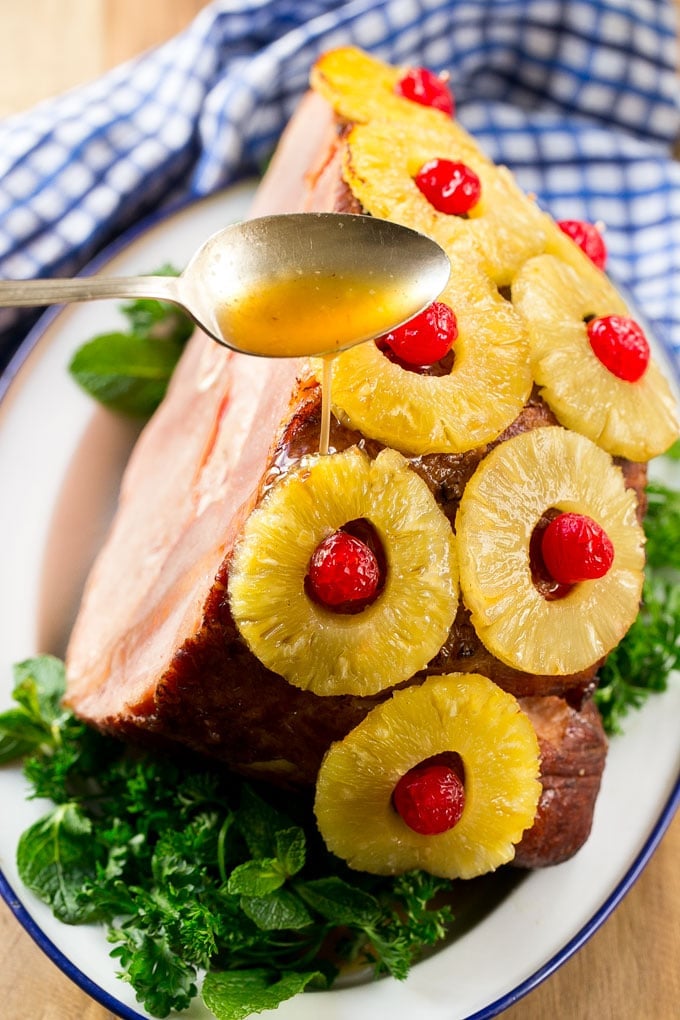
x=155 y=654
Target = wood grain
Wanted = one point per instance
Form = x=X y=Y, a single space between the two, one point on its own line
x=629 y=969
x=49 y=46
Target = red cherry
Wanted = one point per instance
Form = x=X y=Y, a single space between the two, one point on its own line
x=450 y=187
x=426 y=338
x=588 y=238
x=430 y=799
x=620 y=345
x=343 y=570
x=575 y=548
x=425 y=87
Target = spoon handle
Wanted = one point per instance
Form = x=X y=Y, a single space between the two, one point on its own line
x=21 y=293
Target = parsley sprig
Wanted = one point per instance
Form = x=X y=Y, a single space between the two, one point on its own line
x=194 y=871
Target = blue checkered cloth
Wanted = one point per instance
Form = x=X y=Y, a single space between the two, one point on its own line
x=579 y=97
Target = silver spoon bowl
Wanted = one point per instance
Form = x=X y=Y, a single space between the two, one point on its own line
x=383 y=260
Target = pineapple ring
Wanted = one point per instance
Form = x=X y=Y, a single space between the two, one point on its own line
x=462 y=712
x=311 y=646
x=502 y=504
x=360 y=87
x=485 y=391
x=504 y=228
x=638 y=419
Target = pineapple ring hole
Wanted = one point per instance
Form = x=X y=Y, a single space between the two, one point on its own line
x=544 y=583
x=364 y=530
x=450 y=759
x=442 y=367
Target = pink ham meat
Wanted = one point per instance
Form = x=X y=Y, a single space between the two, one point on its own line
x=194 y=475
x=155 y=654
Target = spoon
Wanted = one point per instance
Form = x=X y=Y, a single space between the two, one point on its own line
x=282 y=286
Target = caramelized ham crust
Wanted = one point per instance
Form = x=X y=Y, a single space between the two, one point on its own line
x=573 y=751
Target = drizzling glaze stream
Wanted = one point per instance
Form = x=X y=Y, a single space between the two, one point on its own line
x=313 y=314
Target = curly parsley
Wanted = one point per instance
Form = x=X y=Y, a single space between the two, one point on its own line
x=193 y=870
x=650 y=650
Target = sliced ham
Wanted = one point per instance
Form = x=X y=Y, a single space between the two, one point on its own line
x=193 y=477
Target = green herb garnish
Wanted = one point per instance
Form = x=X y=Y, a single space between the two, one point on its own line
x=662 y=527
x=674 y=452
x=129 y=371
x=651 y=648
x=192 y=869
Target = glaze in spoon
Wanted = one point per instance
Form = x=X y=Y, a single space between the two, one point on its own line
x=282 y=286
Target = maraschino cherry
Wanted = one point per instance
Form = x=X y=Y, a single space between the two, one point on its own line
x=427 y=88
x=452 y=188
x=430 y=799
x=588 y=238
x=424 y=340
x=620 y=345
x=575 y=548
x=343 y=570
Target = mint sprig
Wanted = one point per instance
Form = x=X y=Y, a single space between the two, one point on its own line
x=129 y=371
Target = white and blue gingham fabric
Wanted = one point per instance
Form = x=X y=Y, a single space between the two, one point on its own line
x=579 y=97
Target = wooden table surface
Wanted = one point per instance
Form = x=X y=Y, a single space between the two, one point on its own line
x=630 y=969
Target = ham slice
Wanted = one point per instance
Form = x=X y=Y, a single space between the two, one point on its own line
x=155 y=654
x=194 y=475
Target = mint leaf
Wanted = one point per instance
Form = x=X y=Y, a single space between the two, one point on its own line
x=339 y=902
x=158 y=320
x=129 y=372
x=38 y=688
x=256 y=878
x=279 y=911
x=291 y=849
x=126 y=372
x=236 y=994
x=55 y=858
x=39 y=685
x=259 y=823
x=19 y=734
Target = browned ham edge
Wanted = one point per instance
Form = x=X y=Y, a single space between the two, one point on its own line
x=155 y=655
